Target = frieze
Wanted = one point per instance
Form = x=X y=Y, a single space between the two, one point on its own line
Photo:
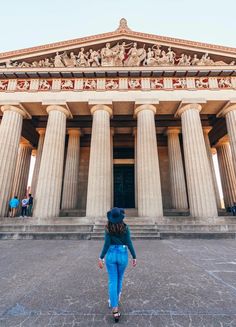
x=117 y=84
x=119 y=55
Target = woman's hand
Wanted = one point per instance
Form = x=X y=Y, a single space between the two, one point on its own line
x=100 y=263
x=134 y=262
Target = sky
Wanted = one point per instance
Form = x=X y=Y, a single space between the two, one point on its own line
x=26 y=23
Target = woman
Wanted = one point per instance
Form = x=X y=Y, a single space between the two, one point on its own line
x=117 y=239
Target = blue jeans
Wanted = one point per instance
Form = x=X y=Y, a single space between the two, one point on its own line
x=116 y=263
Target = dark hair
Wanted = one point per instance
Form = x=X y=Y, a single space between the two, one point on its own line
x=15 y=197
x=30 y=194
x=118 y=228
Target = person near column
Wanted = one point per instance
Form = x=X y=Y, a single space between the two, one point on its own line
x=24 y=205
x=30 y=205
x=14 y=205
x=117 y=239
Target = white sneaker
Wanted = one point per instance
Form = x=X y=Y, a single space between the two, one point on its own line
x=109 y=303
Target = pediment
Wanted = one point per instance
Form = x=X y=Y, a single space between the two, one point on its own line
x=121 y=48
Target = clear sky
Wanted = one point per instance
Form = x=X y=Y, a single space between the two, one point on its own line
x=26 y=23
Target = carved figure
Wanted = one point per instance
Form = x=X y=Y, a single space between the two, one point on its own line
x=23 y=85
x=202 y=83
x=195 y=61
x=150 y=60
x=82 y=59
x=3 y=85
x=67 y=85
x=179 y=83
x=157 y=51
x=58 y=61
x=90 y=84
x=44 y=85
x=157 y=84
x=94 y=57
x=171 y=56
x=111 y=85
x=224 y=82
x=107 y=56
x=135 y=56
x=134 y=83
x=184 y=60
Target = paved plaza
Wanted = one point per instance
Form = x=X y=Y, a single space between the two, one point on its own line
x=177 y=283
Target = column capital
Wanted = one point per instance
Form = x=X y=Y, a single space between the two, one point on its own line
x=34 y=152
x=189 y=106
x=213 y=151
x=103 y=107
x=25 y=143
x=230 y=106
x=146 y=106
x=224 y=140
x=9 y=107
x=41 y=131
x=56 y=107
x=74 y=131
x=206 y=129
x=173 y=130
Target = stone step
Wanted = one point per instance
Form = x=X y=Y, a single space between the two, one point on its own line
x=45 y=236
x=46 y=228
x=197 y=235
x=135 y=237
x=139 y=232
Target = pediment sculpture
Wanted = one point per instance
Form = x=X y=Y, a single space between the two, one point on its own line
x=119 y=55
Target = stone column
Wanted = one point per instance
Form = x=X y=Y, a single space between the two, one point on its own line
x=48 y=192
x=112 y=173
x=39 y=151
x=227 y=174
x=177 y=178
x=148 y=174
x=230 y=116
x=71 y=176
x=135 y=167
x=99 y=179
x=22 y=170
x=198 y=172
x=206 y=131
x=10 y=133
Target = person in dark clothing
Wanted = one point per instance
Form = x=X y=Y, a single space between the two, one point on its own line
x=30 y=205
x=117 y=240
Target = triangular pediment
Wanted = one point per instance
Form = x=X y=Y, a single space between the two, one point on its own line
x=121 y=48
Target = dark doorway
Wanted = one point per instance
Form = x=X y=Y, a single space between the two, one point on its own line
x=124 y=186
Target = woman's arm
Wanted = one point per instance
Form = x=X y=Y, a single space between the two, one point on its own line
x=130 y=244
x=106 y=245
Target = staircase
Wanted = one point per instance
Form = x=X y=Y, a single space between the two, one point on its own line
x=82 y=228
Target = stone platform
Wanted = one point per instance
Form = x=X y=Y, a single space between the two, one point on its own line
x=177 y=283
x=75 y=228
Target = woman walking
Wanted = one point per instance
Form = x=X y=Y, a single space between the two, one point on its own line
x=117 y=239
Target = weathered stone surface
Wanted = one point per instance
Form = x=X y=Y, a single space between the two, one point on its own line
x=176 y=284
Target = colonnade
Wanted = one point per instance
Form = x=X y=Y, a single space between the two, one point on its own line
x=199 y=192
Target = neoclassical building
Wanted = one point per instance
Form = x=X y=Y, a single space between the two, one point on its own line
x=121 y=118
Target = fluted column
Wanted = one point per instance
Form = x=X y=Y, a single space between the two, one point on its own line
x=227 y=174
x=230 y=116
x=39 y=151
x=10 y=133
x=206 y=131
x=135 y=167
x=198 y=173
x=99 y=179
x=22 y=170
x=71 y=176
x=112 y=176
x=48 y=192
x=148 y=174
x=177 y=179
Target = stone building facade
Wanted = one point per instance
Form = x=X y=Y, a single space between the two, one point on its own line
x=121 y=118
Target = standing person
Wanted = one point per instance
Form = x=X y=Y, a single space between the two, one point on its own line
x=14 y=205
x=24 y=204
x=30 y=205
x=117 y=239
